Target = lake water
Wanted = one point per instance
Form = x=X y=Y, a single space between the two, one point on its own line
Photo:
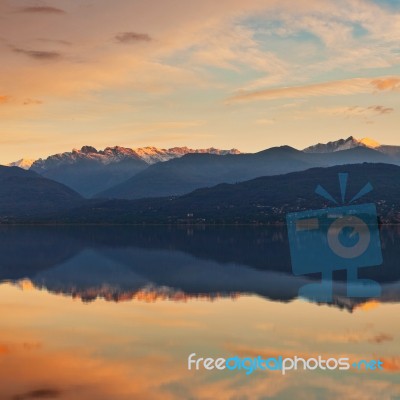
x=114 y=312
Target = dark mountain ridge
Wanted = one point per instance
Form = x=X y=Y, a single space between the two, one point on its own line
x=89 y=171
x=261 y=200
x=26 y=193
x=193 y=171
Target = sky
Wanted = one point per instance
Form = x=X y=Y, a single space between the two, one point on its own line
x=230 y=73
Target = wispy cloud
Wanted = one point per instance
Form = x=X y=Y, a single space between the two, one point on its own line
x=390 y=83
x=18 y=101
x=39 y=55
x=28 y=102
x=194 y=56
x=56 y=41
x=356 y=111
x=41 y=10
x=332 y=88
x=132 y=37
x=381 y=109
x=45 y=393
x=381 y=338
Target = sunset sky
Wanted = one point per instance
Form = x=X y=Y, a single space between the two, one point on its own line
x=228 y=73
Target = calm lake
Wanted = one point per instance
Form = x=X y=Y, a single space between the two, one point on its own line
x=114 y=312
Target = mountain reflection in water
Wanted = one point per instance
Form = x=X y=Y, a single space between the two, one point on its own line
x=149 y=263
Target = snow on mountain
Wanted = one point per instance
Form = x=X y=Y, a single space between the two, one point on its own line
x=342 y=144
x=24 y=163
x=153 y=155
x=87 y=153
x=110 y=155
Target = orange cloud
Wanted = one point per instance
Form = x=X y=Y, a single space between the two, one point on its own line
x=391 y=364
x=332 y=88
x=369 y=305
x=4 y=99
x=390 y=83
x=13 y=100
x=4 y=349
x=17 y=347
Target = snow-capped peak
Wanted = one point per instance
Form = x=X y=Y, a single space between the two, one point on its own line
x=24 y=163
x=149 y=155
x=342 y=144
x=153 y=155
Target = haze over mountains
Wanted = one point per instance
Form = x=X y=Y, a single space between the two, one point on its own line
x=261 y=200
x=119 y=172
x=90 y=171
x=130 y=175
x=183 y=175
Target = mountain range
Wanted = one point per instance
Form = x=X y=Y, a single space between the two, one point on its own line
x=351 y=143
x=120 y=172
x=264 y=200
x=343 y=144
x=193 y=171
x=90 y=171
x=185 y=184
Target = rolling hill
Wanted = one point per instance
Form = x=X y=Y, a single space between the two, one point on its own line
x=193 y=171
x=26 y=193
x=261 y=200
